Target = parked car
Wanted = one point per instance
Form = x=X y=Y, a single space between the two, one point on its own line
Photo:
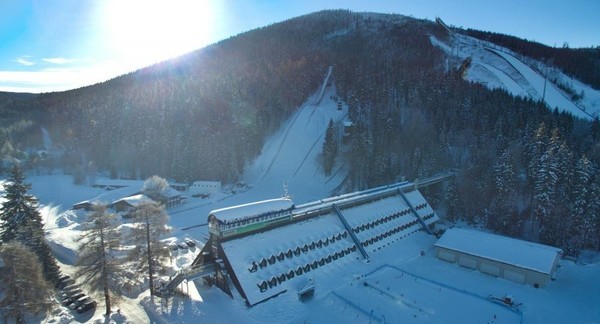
x=68 y=294
x=86 y=306
x=64 y=281
x=189 y=242
x=70 y=287
x=173 y=246
x=182 y=246
x=68 y=301
x=80 y=301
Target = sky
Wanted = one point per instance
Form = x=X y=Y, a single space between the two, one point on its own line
x=65 y=44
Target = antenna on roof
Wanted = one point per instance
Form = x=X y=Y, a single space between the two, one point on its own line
x=285 y=191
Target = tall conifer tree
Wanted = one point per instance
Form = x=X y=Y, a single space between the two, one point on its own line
x=21 y=221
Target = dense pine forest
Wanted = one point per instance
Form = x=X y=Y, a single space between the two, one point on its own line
x=521 y=169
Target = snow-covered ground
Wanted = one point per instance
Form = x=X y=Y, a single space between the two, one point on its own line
x=499 y=67
x=403 y=282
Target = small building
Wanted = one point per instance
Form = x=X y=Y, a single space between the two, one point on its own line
x=179 y=186
x=169 y=197
x=129 y=204
x=204 y=188
x=500 y=256
x=85 y=205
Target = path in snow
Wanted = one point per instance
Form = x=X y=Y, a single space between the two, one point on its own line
x=498 y=67
x=553 y=96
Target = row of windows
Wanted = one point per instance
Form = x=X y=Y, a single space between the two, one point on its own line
x=420 y=206
x=385 y=219
x=393 y=231
x=380 y=221
x=290 y=253
x=300 y=270
x=252 y=220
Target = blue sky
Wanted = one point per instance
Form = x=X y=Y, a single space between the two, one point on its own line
x=64 y=44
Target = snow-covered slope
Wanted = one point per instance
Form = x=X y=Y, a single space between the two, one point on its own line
x=498 y=67
x=404 y=282
x=288 y=164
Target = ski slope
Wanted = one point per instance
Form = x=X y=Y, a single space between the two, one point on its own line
x=288 y=164
x=498 y=67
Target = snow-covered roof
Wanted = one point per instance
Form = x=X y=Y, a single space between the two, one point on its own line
x=524 y=254
x=170 y=192
x=251 y=209
x=377 y=229
x=112 y=195
x=201 y=182
x=135 y=200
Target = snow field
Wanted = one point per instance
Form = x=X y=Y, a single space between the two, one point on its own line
x=390 y=294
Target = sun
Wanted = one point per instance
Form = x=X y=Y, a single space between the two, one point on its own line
x=149 y=31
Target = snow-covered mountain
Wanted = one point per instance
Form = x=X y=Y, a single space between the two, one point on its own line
x=405 y=282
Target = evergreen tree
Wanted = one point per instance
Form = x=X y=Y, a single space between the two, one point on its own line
x=584 y=206
x=23 y=288
x=534 y=152
x=22 y=221
x=451 y=198
x=546 y=192
x=99 y=266
x=503 y=217
x=329 y=148
x=149 y=252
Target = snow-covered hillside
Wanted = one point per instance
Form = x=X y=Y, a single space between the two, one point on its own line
x=403 y=282
x=498 y=67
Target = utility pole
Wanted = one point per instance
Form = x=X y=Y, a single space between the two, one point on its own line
x=547 y=62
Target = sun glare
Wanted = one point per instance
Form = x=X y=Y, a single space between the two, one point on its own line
x=148 y=31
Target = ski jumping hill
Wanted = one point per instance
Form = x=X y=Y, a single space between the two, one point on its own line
x=498 y=67
x=290 y=158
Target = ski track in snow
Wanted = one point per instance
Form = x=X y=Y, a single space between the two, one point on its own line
x=498 y=67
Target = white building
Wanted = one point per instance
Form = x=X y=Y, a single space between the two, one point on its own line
x=517 y=260
x=204 y=188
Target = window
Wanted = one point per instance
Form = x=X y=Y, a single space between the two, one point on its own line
x=273 y=282
x=254 y=267
x=290 y=274
x=281 y=278
x=262 y=286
